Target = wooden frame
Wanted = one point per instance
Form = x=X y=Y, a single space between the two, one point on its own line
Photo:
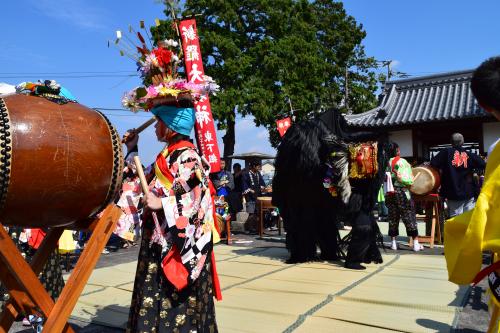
x=21 y=280
x=432 y=206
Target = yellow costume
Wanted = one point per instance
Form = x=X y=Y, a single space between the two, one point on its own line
x=478 y=230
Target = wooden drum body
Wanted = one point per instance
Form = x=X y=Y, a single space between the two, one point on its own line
x=58 y=163
x=427 y=180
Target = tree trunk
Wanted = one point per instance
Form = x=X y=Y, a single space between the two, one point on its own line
x=229 y=140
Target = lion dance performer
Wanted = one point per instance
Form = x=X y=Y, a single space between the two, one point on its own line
x=315 y=154
x=478 y=230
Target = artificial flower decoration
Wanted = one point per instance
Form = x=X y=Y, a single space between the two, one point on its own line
x=158 y=68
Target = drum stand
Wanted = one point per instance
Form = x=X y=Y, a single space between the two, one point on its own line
x=432 y=206
x=27 y=294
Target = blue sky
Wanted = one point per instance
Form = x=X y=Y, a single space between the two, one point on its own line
x=66 y=40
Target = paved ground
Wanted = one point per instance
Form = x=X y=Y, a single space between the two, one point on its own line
x=473 y=317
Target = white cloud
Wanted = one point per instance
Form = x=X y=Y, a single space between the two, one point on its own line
x=395 y=63
x=76 y=12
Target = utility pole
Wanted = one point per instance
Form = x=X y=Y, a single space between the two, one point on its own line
x=389 y=71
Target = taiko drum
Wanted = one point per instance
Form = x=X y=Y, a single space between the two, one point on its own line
x=59 y=164
x=427 y=180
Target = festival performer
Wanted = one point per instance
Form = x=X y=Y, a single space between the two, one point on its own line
x=400 y=202
x=478 y=230
x=315 y=159
x=176 y=278
x=181 y=201
x=128 y=226
x=457 y=167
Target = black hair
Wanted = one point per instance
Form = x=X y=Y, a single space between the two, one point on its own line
x=236 y=165
x=180 y=137
x=485 y=83
x=254 y=163
x=393 y=149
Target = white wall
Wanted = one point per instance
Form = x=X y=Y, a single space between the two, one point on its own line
x=404 y=140
x=491 y=132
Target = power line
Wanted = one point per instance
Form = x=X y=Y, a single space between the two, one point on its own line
x=77 y=72
x=71 y=76
x=110 y=109
x=126 y=115
x=114 y=114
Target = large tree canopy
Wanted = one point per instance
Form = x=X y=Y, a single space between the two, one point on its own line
x=265 y=54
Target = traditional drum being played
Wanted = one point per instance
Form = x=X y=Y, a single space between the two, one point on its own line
x=58 y=163
x=426 y=181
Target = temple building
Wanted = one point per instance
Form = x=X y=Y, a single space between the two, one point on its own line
x=422 y=113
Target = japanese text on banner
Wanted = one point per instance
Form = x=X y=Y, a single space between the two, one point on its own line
x=205 y=126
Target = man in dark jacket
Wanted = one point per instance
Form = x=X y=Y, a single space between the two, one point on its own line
x=457 y=183
x=253 y=185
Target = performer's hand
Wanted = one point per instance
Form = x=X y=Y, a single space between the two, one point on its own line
x=152 y=201
x=131 y=138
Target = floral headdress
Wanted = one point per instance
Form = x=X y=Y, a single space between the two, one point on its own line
x=158 y=66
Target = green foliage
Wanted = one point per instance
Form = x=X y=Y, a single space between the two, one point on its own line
x=264 y=52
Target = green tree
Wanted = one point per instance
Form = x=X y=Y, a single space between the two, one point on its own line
x=266 y=53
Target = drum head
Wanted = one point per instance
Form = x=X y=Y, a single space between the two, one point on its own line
x=426 y=180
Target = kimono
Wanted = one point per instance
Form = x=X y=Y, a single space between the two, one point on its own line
x=129 y=201
x=183 y=228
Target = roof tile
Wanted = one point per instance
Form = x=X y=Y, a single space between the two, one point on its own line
x=422 y=100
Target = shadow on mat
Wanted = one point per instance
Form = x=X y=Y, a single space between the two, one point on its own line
x=109 y=319
x=463 y=296
x=434 y=325
x=279 y=254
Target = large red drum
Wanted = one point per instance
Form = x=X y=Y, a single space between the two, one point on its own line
x=427 y=180
x=58 y=163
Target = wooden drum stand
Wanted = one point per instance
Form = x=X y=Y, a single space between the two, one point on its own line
x=27 y=294
x=432 y=206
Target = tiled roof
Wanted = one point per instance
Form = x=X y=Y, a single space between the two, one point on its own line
x=422 y=100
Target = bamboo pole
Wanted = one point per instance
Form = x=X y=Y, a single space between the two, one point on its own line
x=140 y=173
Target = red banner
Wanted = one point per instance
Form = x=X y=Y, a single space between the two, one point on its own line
x=204 y=127
x=283 y=125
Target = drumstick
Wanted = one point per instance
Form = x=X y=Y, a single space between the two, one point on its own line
x=140 y=173
x=144 y=184
x=141 y=128
x=416 y=176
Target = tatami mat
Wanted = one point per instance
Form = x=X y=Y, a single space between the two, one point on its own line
x=408 y=293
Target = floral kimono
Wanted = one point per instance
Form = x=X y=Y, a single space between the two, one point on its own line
x=129 y=200
x=183 y=229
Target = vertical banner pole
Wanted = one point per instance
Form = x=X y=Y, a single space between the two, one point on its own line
x=206 y=137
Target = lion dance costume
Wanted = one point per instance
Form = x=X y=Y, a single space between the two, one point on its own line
x=327 y=173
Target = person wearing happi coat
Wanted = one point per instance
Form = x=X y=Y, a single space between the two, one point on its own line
x=176 y=282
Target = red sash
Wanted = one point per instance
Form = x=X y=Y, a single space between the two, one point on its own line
x=485 y=272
